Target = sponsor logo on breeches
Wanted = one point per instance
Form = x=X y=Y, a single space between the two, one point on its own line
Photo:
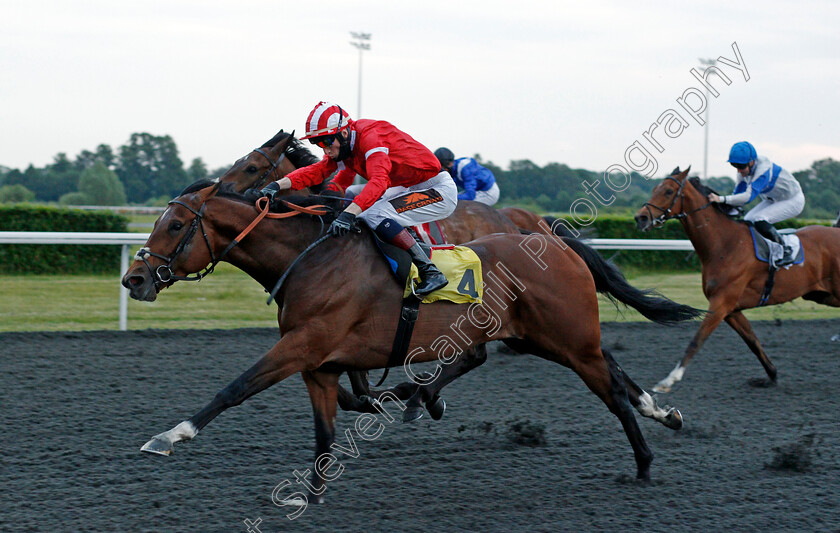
x=415 y=199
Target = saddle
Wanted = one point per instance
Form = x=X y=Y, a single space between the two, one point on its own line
x=771 y=252
x=459 y=264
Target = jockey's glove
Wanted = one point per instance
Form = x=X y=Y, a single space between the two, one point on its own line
x=270 y=190
x=343 y=224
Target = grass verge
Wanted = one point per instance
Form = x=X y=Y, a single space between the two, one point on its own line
x=230 y=299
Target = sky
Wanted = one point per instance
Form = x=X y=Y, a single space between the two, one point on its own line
x=576 y=82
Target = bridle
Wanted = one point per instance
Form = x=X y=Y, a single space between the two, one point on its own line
x=164 y=274
x=272 y=168
x=666 y=214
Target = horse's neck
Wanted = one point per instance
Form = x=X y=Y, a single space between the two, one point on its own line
x=271 y=247
x=711 y=232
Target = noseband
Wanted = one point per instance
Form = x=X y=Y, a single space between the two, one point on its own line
x=163 y=274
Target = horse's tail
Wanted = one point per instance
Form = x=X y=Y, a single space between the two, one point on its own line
x=611 y=282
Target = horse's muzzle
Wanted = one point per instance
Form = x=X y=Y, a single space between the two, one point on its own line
x=643 y=222
x=140 y=285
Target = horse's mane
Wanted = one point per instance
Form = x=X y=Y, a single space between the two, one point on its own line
x=198 y=185
x=705 y=191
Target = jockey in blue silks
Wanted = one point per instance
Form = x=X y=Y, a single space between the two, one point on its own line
x=780 y=193
x=477 y=182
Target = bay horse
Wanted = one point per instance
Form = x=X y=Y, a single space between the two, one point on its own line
x=733 y=279
x=339 y=308
x=284 y=153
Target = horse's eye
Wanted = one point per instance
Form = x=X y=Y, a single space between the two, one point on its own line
x=252 y=169
x=669 y=192
x=176 y=225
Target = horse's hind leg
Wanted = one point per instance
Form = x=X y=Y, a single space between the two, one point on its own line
x=740 y=324
x=644 y=403
x=606 y=382
x=427 y=393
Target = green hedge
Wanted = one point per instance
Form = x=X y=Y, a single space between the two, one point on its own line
x=59 y=258
x=624 y=227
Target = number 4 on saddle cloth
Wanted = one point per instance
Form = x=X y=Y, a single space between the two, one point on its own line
x=772 y=252
x=459 y=264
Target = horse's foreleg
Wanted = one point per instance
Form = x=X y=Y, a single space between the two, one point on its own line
x=710 y=322
x=323 y=391
x=271 y=368
x=740 y=324
x=644 y=403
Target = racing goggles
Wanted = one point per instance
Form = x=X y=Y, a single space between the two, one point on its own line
x=324 y=142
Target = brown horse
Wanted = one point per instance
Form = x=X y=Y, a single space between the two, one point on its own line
x=340 y=304
x=733 y=279
x=283 y=153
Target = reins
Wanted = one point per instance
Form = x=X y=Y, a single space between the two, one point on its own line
x=164 y=274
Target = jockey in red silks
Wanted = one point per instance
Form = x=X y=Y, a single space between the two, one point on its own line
x=405 y=183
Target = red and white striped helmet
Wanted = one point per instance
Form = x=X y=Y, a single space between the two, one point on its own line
x=326 y=119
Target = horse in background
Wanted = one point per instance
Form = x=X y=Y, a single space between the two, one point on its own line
x=733 y=279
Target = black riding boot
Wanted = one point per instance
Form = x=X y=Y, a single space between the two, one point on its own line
x=431 y=279
x=768 y=230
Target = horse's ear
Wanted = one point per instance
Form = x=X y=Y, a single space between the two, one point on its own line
x=675 y=171
x=687 y=170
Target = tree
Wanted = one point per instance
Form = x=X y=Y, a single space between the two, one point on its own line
x=10 y=194
x=149 y=167
x=74 y=198
x=103 y=153
x=101 y=186
x=197 y=170
x=61 y=177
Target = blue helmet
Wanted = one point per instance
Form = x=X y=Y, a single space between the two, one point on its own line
x=742 y=153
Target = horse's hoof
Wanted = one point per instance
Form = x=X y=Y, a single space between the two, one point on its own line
x=762 y=383
x=158 y=447
x=367 y=404
x=436 y=408
x=664 y=389
x=412 y=413
x=674 y=419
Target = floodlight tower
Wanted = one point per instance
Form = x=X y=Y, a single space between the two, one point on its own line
x=362 y=42
x=708 y=63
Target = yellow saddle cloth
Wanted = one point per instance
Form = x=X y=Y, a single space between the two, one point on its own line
x=462 y=268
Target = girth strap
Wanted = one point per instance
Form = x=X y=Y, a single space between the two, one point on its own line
x=768 y=287
x=408 y=317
